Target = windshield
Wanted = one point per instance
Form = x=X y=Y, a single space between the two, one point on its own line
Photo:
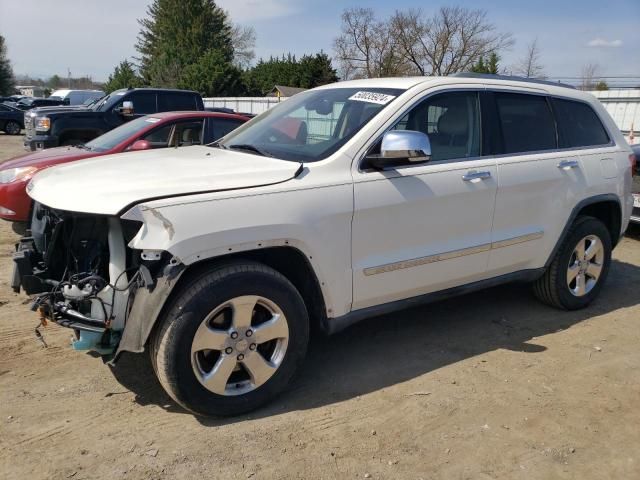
x=311 y=125
x=108 y=101
x=120 y=134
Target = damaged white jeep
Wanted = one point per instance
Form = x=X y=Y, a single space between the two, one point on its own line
x=342 y=203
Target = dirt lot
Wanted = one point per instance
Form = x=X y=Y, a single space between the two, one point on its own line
x=491 y=385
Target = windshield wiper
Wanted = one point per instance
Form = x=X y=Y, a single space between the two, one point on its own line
x=217 y=144
x=251 y=148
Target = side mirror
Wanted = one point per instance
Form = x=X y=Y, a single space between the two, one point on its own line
x=401 y=147
x=140 y=145
x=126 y=109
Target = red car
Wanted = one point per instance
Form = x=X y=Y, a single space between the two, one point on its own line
x=161 y=130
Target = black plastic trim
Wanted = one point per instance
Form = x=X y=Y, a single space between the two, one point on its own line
x=605 y=197
x=337 y=324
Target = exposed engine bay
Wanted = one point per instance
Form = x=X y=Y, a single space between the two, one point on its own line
x=84 y=275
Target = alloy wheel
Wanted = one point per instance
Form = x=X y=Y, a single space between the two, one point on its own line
x=239 y=345
x=585 y=265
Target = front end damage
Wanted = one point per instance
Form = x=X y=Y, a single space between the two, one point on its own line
x=84 y=276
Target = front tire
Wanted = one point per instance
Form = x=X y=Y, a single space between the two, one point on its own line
x=231 y=340
x=580 y=267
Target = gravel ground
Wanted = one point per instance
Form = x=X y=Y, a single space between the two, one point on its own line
x=489 y=385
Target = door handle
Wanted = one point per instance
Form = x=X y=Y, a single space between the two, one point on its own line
x=568 y=164
x=475 y=175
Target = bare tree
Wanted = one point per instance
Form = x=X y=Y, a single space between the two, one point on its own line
x=366 y=48
x=243 y=39
x=450 y=41
x=588 y=76
x=530 y=66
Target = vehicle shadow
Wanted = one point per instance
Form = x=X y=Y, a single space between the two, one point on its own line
x=390 y=349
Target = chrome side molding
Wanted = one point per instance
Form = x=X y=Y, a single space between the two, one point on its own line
x=439 y=257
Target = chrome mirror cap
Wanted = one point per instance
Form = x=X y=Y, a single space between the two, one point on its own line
x=407 y=145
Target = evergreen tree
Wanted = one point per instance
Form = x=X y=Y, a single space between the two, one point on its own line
x=213 y=76
x=123 y=76
x=180 y=33
x=479 y=66
x=490 y=67
x=6 y=72
x=308 y=72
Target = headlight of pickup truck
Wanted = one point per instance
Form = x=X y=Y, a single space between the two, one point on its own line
x=43 y=124
x=14 y=174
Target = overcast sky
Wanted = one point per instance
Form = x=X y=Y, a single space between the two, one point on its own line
x=92 y=36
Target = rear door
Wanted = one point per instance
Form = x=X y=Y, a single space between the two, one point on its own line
x=539 y=182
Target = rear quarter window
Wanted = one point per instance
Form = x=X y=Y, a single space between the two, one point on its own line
x=578 y=124
x=176 y=102
x=527 y=123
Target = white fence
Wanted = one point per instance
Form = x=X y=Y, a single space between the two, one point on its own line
x=624 y=107
x=254 y=105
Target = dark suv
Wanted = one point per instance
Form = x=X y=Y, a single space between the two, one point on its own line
x=54 y=126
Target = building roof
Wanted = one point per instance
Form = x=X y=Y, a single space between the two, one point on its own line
x=285 y=91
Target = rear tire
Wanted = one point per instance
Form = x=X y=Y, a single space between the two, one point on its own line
x=12 y=128
x=580 y=267
x=231 y=340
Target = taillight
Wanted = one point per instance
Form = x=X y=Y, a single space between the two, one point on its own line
x=633 y=162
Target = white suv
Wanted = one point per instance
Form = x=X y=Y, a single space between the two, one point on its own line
x=342 y=203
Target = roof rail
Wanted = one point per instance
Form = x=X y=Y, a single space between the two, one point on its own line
x=492 y=76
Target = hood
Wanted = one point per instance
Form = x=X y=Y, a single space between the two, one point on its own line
x=50 y=156
x=62 y=110
x=56 y=108
x=107 y=184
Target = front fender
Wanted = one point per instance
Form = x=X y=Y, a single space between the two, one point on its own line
x=317 y=222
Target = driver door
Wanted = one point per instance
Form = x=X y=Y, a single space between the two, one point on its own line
x=426 y=227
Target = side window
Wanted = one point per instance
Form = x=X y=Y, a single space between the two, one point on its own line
x=222 y=126
x=452 y=122
x=187 y=133
x=526 y=121
x=143 y=102
x=578 y=124
x=176 y=102
x=159 y=137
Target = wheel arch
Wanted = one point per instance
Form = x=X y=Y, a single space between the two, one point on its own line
x=289 y=261
x=605 y=207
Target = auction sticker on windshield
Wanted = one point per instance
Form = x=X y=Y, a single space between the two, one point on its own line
x=372 y=97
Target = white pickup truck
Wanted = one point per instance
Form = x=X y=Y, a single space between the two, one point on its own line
x=342 y=203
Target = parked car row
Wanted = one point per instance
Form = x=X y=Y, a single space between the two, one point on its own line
x=341 y=203
x=55 y=126
x=161 y=130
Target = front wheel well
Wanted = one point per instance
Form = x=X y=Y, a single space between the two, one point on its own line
x=288 y=261
x=608 y=212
